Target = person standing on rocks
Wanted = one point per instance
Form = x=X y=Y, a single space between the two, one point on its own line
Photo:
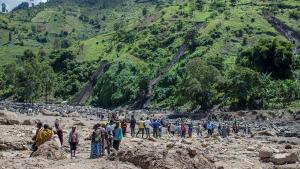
x=147 y=127
x=39 y=126
x=172 y=129
x=95 y=145
x=155 y=126
x=209 y=128
x=44 y=135
x=178 y=129
x=141 y=128
x=118 y=135
x=190 y=130
x=73 y=141
x=132 y=126
x=109 y=129
x=103 y=138
x=59 y=132
x=183 y=130
x=224 y=132
x=124 y=127
x=198 y=130
x=228 y=130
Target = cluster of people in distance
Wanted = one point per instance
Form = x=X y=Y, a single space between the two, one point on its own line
x=106 y=136
x=45 y=133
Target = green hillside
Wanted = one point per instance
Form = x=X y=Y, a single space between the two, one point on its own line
x=236 y=58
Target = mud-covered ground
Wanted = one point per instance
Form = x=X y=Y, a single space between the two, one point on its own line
x=236 y=152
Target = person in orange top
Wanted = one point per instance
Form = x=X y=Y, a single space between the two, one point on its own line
x=44 y=135
x=39 y=126
x=141 y=128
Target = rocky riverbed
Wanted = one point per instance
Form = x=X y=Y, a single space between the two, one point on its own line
x=268 y=147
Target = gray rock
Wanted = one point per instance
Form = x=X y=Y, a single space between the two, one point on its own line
x=284 y=158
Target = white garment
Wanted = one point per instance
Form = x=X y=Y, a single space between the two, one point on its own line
x=172 y=127
x=147 y=124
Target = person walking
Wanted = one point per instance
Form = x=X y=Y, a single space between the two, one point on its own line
x=132 y=126
x=118 y=135
x=73 y=141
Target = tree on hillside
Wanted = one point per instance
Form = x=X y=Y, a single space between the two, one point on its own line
x=33 y=79
x=199 y=4
x=269 y=56
x=199 y=84
x=48 y=80
x=243 y=85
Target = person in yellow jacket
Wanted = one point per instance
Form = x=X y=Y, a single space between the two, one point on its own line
x=141 y=127
x=44 y=135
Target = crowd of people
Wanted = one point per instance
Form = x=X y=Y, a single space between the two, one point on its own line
x=106 y=136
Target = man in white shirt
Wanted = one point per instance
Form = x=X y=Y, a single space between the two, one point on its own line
x=147 y=127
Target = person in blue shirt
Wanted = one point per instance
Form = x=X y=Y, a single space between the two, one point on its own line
x=118 y=135
x=190 y=130
x=155 y=126
x=209 y=128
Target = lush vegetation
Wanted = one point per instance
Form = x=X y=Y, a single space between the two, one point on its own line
x=235 y=59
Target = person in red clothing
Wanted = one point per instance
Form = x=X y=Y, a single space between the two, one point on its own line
x=59 y=133
x=124 y=127
x=228 y=130
x=183 y=130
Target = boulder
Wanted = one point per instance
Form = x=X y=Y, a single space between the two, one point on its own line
x=192 y=152
x=161 y=157
x=288 y=146
x=265 y=133
x=184 y=141
x=265 y=153
x=8 y=118
x=28 y=122
x=152 y=139
x=204 y=144
x=79 y=123
x=251 y=148
x=284 y=158
x=74 y=114
x=46 y=112
x=297 y=116
x=170 y=145
x=50 y=150
x=136 y=140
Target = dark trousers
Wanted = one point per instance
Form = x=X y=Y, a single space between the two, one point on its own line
x=116 y=144
x=132 y=130
x=155 y=132
x=210 y=131
x=147 y=132
x=140 y=130
x=109 y=144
